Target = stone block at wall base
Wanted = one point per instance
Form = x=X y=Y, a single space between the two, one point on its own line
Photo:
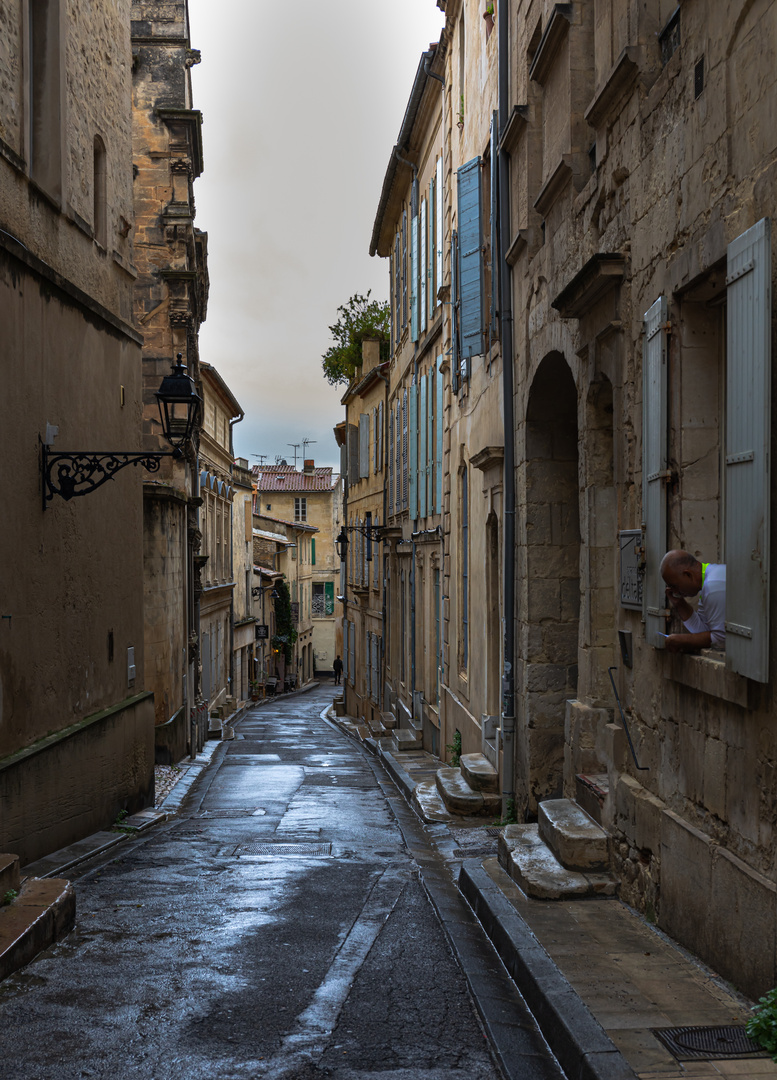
x=717 y=906
x=74 y=782
x=171 y=740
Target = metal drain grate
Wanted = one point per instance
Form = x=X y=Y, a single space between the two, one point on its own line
x=225 y=813
x=283 y=849
x=494 y=830
x=708 y=1043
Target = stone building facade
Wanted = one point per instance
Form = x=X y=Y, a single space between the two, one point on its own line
x=362 y=438
x=631 y=258
x=170 y=302
x=243 y=617
x=76 y=717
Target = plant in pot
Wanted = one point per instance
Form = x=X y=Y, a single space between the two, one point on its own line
x=255 y=689
x=460 y=118
x=488 y=15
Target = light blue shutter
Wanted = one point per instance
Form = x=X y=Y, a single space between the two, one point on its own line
x=381 y=452
x=413 y=447
x=654 y=466
x=430 y=442
x=422 y=449
x=470 y=258
x=364 y=445
x=438 y=455
x=404 y=450
x=391 y=462
x=748 y=434
x=431 y=261
x=455 y=312
x=439 y=226
x=374 y=440
x=414 y=277
x=422 y=268
x=494 y=222
x=398 y=506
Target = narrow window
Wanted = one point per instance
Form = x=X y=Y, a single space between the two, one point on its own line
x=300 y=509
x=45 y=156
x=99 y=194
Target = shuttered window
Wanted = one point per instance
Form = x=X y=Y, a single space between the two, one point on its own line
x=431 y=260
x=748 y=434
x=374 y=440
x=368 y=663
x=352 y=649
x=398 y=456
x=654 y=466
x=397 y=289
x=455 y=312
x=413 y=451
x=404 y=449
x=439 y=434
x=404 y=269
x=375 y=666
x=471 y=286
x=391 y=463
x=494 y=222
x=364 y=445
x=353 y=454
x=414 y=277
x=422 y=263
x=422 y=448
x=430 y=378
x=438 y=232
x=376 y=561
x=329 y=597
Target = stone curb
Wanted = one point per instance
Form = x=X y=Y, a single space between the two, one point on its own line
x=44 y=912
x=582 y=1046
x=398 y=774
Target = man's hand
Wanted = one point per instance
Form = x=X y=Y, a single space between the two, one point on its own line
x=680 y=643
x=678 y=604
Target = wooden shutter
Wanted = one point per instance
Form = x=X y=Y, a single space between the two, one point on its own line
x=374 y=666
x=414 y=277
x=368 y=663
x=374 y=441
x=376 y=558
x=391 y=462
x=404 y=449
x=398 y=455
x=748 y=434
x=431 y=261
x=422 y=260
x=397 y=287
x=353 y=454
x=381 y=453
x=329 y=597
x=470 y=229
x=430 y=441
x=494 y=223
x=413 y=459
x=364 y=445
x=455 y=312
x=438 y=232
x=422 y=448
x=312 y=551
x=404 y=269
x=438 y=454
x=654 y=466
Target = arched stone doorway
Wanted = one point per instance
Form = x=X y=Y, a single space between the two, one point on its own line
x=552 y=564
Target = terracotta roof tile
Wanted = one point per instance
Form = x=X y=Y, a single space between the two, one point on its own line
x=287 y=478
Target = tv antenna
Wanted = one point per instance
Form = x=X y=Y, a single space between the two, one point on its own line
x=296 y=447
x=305 y=444
x=261 y=458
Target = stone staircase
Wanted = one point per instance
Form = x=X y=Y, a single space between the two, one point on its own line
x=472 y=788
x=565 y=856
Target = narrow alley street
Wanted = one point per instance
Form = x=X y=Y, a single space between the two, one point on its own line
x=278 y=927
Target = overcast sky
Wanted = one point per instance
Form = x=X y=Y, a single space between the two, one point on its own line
x=301 y=106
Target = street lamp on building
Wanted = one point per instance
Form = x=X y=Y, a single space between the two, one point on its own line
x=73 y=474
x=373 y=533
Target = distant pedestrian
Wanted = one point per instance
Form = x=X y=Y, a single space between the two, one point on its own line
x=337 y=667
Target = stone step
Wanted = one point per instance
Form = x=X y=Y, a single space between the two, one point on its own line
x=377 y=729
x=427 y=801
x=389 y=720
x=479 y=773
x=534 y=867
x=591 y=792
x=405 y=739
x=459 y=798
x=574 y=837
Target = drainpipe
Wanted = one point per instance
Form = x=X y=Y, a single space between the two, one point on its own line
x=506 y=321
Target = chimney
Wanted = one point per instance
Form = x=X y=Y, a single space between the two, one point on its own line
x=308 y=466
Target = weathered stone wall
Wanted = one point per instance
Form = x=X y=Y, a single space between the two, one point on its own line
x=164 y=587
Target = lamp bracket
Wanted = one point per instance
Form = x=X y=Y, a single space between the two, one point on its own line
x=80 y=473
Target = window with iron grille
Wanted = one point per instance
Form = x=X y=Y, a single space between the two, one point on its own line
x=323 y=599
x=300 y=509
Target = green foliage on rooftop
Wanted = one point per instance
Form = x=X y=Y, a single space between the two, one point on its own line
x=358 y=319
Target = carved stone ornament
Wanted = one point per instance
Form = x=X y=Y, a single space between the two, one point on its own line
x=193 y=56
x=182 y=165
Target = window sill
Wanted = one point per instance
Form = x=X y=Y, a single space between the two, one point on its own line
x=707 y=673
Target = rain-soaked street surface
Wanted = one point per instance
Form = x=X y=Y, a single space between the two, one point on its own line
x=277 y=927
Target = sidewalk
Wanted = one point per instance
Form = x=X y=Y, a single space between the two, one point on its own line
x=596 y=975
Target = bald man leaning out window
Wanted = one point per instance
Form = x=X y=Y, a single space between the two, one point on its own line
x=686 y=576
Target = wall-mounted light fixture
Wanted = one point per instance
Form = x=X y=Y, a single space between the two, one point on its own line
x=373 y=533
x=80 y=473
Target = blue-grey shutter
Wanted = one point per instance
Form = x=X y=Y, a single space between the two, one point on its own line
x=368 y=661
x=455 y=312
x=364 y=445
x=414 y=278
x=353 y=454
x=422 y=448
x=404 y=269
x=374 y=440
x=398 y=505
x=404 y=449
x=431 y=261
x=374 y=666
x=438 y=455
x=381 y=452
x=397 y=289
x=391 y=462
x=413 y=464
x=430 y=441
x=748 y=434
x=494 y=223
x=470 y=229
x=654 y=466
x=422 y=267
x=438 y=231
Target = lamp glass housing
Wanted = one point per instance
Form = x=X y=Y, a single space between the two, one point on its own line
x=179 y=405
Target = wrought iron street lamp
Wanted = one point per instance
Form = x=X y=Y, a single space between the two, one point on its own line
x=373 y=533
x=80 y=473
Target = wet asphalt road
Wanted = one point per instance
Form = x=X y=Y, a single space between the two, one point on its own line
x=197 y=953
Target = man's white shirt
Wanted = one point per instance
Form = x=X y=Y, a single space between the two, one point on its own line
x=711 y=611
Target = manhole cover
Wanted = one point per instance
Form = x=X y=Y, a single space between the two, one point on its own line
x=225 y=813
x=283 y=849
x=708 y=1043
